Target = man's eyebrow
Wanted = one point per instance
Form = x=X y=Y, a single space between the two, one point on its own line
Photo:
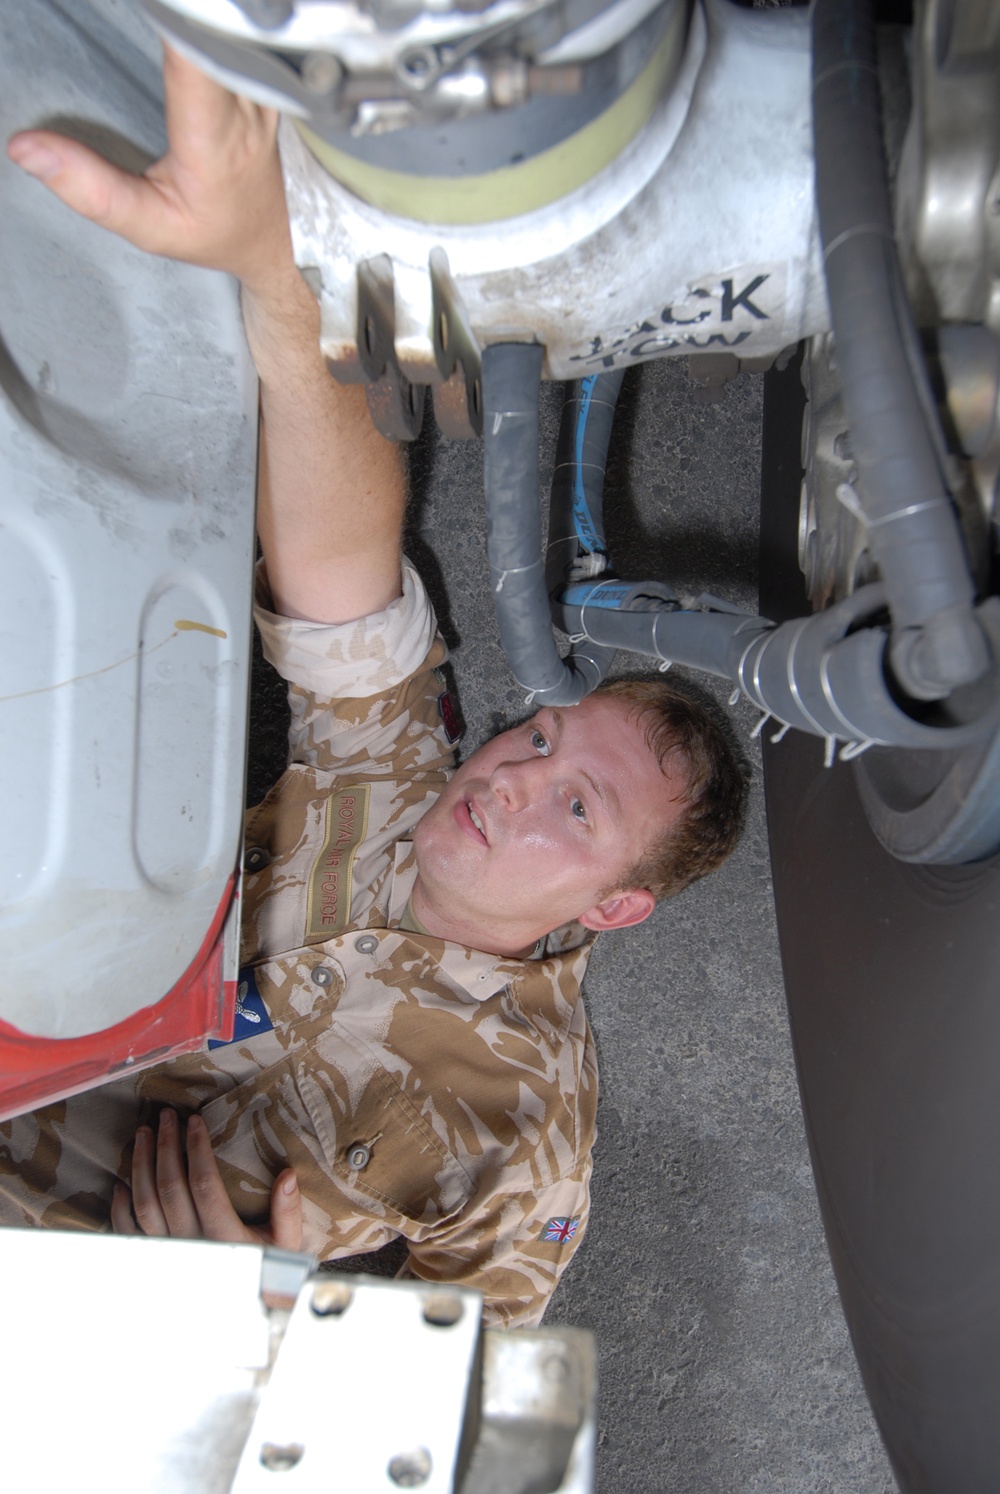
x=606 y=797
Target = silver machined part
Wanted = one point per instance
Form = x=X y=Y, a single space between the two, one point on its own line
x=948 y=191
x=321 y=73
x=267 y=14
x=970 y=362
x=969 y=358
x=371 y=37
x=948 y=232
x=418 y=71
x=834 y=553
x=833 y=540
x=577 y=275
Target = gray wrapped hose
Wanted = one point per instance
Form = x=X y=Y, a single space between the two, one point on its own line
x=913 y=530
x=511 y=377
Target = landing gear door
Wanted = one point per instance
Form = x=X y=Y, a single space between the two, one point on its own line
x=127 y=466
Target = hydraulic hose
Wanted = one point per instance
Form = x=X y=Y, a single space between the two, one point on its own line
x=823 y=674
x=576 y=546
x=937 y=643
x=511 y=376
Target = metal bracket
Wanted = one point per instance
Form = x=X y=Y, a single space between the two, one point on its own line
x=396 y=406
x=252 y=1368
x=458 y=401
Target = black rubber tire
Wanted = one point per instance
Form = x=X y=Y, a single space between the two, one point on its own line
x=890 y=974
x=933 y=808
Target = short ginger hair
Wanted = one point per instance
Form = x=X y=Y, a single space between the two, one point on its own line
x=686 y=736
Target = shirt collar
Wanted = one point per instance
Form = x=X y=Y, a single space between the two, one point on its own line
x=545 y=991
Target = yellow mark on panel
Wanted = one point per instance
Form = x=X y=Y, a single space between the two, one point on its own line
x=185 y=625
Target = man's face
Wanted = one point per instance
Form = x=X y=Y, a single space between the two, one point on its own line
x=540 y=823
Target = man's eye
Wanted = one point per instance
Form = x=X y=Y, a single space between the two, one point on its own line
x=540 y=743
x=578 y=810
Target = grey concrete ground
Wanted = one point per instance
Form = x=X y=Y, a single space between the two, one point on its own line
x=724 y=1360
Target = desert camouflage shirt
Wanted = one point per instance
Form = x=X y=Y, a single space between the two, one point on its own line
x=419 y=1088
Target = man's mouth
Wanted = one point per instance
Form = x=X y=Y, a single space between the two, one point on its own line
x=471 y=822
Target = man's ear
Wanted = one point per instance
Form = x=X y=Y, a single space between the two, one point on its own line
x=620 y=910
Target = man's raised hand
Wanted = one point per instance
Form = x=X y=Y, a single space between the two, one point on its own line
x=187 y=1199
x=215 y=199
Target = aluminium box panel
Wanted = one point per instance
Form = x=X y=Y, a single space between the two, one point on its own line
x=127 y=470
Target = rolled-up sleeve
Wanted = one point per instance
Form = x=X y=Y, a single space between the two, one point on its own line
x=366 y=697
x=355 y=659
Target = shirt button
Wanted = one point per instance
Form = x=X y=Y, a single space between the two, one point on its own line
x=367 y=944
x=322 y=976
x=358 y=1156
x=255 y=859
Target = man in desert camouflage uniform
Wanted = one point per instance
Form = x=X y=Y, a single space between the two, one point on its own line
x=411 y=1055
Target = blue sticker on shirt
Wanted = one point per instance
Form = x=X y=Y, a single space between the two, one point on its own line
x=251 y=1013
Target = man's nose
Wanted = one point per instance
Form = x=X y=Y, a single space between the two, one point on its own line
x=516 y=782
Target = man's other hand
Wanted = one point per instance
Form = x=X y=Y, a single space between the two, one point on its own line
x=215 y=199
x=187 y=1199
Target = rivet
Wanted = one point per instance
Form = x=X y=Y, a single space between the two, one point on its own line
x=418 y=64
x=410 y=1469
x=555 y=1368
x=279 y=1457
x=321 y=72
x=331 y=1298
x=442 y=1309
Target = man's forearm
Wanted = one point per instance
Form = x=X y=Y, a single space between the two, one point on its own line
x=331 y=489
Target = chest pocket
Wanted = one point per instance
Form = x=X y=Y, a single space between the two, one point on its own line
x=376 y=1142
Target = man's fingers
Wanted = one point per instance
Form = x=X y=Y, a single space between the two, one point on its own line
x=171 y=1197
x=286 y=1211
x=33 y=151
x=121 y=1211
x=215 y=199
x=172 y=1188
x=218 y=1219
x=126 y=204
x=197 y=108
x=145 y=1199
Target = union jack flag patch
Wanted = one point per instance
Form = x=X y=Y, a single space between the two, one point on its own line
x=559 y=1231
